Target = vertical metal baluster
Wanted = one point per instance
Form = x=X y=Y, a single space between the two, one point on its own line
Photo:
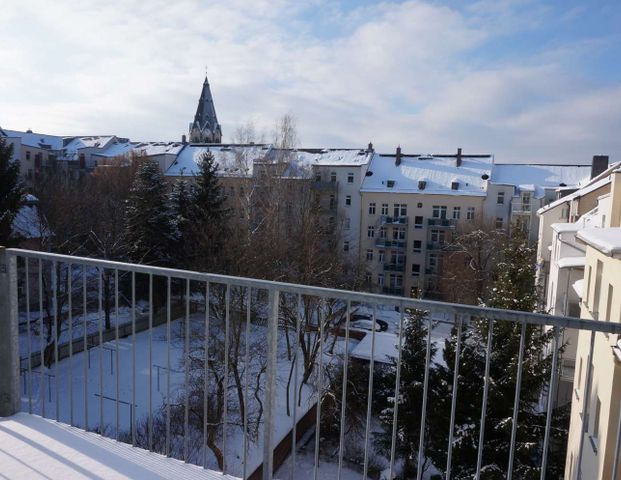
x=100 y=307
x=205 y=375
x=41 y=341
x=226 y=376
x=516 y=402
x=270 y=382
x=546 y=440
x=421 y=440
x=246 y=368
x=585 y=404
x=29 y=337
x=488 y=355
x=186 y=364
x=168 y=347
x=344 y=395
x=85 y=335
x=133 y=406
x=70 y=320
x=369 y=395
x=116 y=339
x=150 y=392
x=320 y=317
x=294 y=431
x=56 y=338
x=449 y=455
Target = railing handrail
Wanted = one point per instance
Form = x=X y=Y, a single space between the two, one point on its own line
x=323 y=292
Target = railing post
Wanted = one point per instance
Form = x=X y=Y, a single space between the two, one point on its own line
x=270 y=383
x=9 y=344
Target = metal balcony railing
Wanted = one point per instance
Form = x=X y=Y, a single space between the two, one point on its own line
x=394 y=267
x=386 y=243
x=442 y=222
x=521 y=208
x=388 y=220
x=229 y=373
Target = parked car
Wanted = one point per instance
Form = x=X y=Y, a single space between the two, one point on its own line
x=359 y=316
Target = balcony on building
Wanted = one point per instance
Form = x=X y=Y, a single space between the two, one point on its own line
x=388 y=243
x=388 y=220
x=442 y=222
x=394 y=267
x=520 y=208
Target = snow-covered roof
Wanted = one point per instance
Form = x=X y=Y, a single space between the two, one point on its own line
x=232 y=160
x=38 y=140
x=386 y=347
x=117 y=148
x=72 y=149
x=438 y=172
x=592 y=185
x=158 y=148
x=578 y=286
x=27 y=223
x=571 y=262
x=34 y=447
x=539 y=177
x=331 y=157
x=566 y=227
x=606 y=240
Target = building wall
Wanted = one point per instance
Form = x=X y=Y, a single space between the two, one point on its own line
x=599 y=444
x=416 y=205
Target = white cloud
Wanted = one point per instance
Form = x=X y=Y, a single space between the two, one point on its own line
x=392 y=73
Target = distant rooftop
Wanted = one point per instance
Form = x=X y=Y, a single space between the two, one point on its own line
x=429 y=174
x=538 y=177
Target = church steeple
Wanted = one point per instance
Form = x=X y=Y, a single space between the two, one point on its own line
x=205 y=127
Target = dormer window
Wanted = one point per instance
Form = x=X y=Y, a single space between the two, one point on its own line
x=454 y=185
x=422 y=184
x=390 y=183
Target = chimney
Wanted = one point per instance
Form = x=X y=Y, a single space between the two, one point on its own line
x=183 y=139
x=398 y=156
x=370 y=147
x=599 y=165
x=458 y=158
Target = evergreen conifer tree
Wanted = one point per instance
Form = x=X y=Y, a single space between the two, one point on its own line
x=150 y=227
x=10 y=191
x=413 y=361
x=181 y=198
x=513 y=288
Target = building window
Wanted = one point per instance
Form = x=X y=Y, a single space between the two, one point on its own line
x=598 y=287
x=417 y=246
x=454 y=185
x=415 y=269
x=439 y=211
x=499 y=222
x=380 y=279
x=346 y=246
x=333 y=177
x=418 y=222
x=348 y=201
x=318 y=177
x=332 y=200
x=347 y=223
x=609 y=303
x=456 y=213
x=382 y=232
x=438 y=236
x=422 y=184
x=367 y=277
x=500 y=199
x=350 y=178
x=371 y=231
x=27 y=155
x=400 y=210
x=369 y=255
x=384 y=209
x=526 y=201
x=372 y=208
x=398 y=234
x=470 y=213
x=380 y=256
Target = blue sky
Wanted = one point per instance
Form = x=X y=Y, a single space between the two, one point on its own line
x=526 y=80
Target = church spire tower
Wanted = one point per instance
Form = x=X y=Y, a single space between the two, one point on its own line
x=205 y=127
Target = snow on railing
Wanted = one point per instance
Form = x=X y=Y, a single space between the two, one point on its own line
x=248 y=376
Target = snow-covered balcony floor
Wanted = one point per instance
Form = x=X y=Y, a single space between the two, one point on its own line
x=32 y=448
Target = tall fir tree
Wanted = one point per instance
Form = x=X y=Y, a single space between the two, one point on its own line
x=11 y=191
x=181 y=199
x=410 y=400
x=513 y=288
x=208 y=217
x=150 y=231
